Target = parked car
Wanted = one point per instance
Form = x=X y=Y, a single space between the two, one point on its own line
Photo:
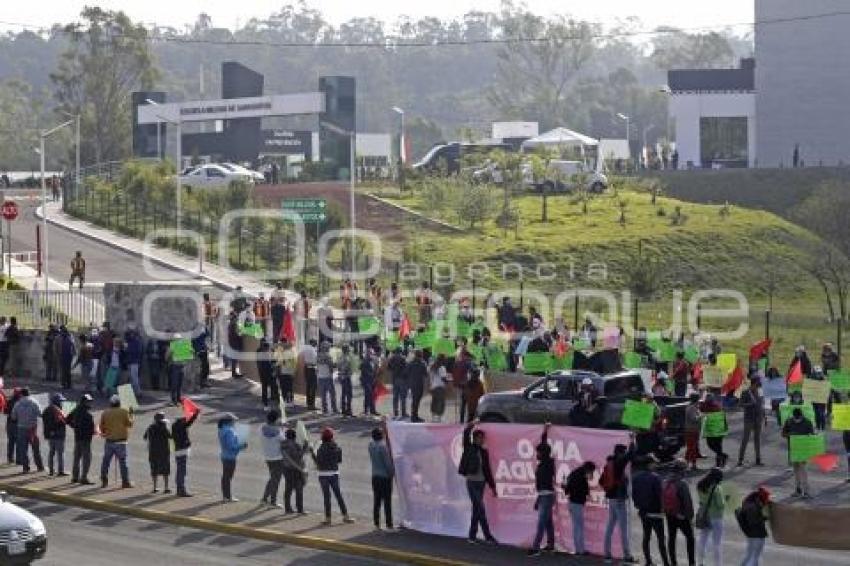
x=212 y=176
x=23 y=537
x=551 y=398
x=235 y=168
x=563 y=176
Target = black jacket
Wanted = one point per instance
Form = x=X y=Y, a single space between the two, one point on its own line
x=328 y=457
x=416 y=372
x=792 y=427
x=397 y=365
x=473 y=456
x=544 y=475
x=577 y=488
x=751 y=518
x=82 y=421
x=646 y=491
x=180 y=432
x=54 y=423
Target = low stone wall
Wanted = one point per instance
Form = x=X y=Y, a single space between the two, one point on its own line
x=26 y=358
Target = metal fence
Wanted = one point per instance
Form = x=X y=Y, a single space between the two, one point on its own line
x=37 y=309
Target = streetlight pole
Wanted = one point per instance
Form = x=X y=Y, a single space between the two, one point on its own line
x=76 y=118
x=158 y=132
x=351 y=199
x=44 y=135
x=401 y=148
x=622 y=116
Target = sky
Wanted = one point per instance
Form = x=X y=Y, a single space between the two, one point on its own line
x=176 y=13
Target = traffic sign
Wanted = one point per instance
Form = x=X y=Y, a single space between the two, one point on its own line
x=10 y=210
x=308 y=209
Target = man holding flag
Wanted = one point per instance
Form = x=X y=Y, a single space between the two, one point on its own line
x=182 y=444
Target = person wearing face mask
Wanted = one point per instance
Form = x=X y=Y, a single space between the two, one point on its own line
x=752 y=402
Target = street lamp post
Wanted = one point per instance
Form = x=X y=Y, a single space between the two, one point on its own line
x=42 y=136
x=76 y=118
x=158 y=130
x=351 y=178
x=622 y=116
x=401 y=148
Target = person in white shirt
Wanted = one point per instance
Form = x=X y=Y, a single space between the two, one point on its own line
x=272 y=435
x=438 y=376
x=308 y=356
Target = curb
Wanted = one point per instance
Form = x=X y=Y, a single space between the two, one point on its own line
x=316 y=543
x=82 y=232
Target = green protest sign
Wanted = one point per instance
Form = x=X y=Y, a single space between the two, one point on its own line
x=816 y=390
x=666 y=352
x=840 y=381
x=632 y=360
x=424 y=339
x=841 y=417
x=392 y=342
x=692 y=354
x=638 y=414
x=762 y=364
x=444 y=346
x=495 y=358
x=181 y=350
x=564 y=362
x=476 y=352
x=714 y=425
x=369 y=325
x=255 y=330
x=464 y=329
x=805 y=446
x=786 y=410
x=537 y=362
x=581 y=345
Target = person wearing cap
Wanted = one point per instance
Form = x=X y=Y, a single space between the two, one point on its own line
x=752 y=518
x=416 y=374
x=115 y=425
x=328 y=458
x=231 y=445
x=82 y=421
x=182 y=446
x=25 y=415
x=53 y=428
x=799 y=425
x=159 y=450
x=345 y=370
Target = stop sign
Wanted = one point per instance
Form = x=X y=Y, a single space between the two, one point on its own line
x=10 y=210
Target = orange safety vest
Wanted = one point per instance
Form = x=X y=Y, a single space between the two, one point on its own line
x=261 y=308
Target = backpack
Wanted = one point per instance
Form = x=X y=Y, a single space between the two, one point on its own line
x=670 y=502
x=608 y=480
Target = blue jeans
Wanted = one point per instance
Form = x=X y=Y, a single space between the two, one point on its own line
x=479 y=513
x=347 y=394
x=57 y=452
x=545 y=503
x=115 y=450
x=618 y=515
x=577 y=518
x=399 y=398
x=368 y=397
x=755 y=546
x=327 y=389
x=134 y=379
x=180 y=474
x=328 y=484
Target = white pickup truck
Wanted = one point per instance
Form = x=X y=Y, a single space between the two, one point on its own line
x=563 y=176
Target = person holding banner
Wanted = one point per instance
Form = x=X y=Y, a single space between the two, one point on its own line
x=230 y=445
x=81 y=420
x=544 y=483
x=115 y=425
x=175 y=364
x=615 y=482
x=475 y=467
x=819 y=407
x=799 y=425
x=714 y=442
x=383 y=472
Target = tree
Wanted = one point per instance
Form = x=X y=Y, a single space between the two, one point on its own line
x=510 y=164
x=423 y=134
x=473 y=202
x=108 y=57
x=824 y=212
x=675 y=49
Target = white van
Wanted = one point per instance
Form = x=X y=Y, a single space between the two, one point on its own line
x=561 y=176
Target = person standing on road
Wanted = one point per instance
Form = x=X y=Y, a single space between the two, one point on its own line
x=269 y=393
x=53 y=428
x=201 y=347
x=328 y=458
x=752 y=518
x=115 y=425
x=25 y=415
x=646 y=495
x=182 y=447
x=678 y=507
x=544 y=484
x=133 y=354
x=397 y=365
x=819 y=408
x=11 y=428
x=709 y=517
x=284 y=359
x=78 y=270
x=680 y=374
x=176 y=371
x=4 y=345
x=368 y=373
x=294 y=471
x=693 y=427
x=715 y=443
x=383 y=472
x=82 y=421
x=577 y=489
x=438 y=375
x=753 y=404
x=84 y=360
x=416 y=373
x=475 y=467
x=272 y=436
x=325 y=379
x=308 y=357
x=345 y=371
x=51 y=358
x=615 y=483
x=67 y=351
x=230 y=445
x=799 y=425
x=159 y=450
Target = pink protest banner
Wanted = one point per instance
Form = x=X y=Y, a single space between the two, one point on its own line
x=433 y=496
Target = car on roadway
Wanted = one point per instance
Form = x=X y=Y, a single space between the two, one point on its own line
x=564 y=176
x=235 y=168
x=23 y=538
x=552 y=398
x=211 y=176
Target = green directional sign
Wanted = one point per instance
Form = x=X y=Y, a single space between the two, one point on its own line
x=309 y=209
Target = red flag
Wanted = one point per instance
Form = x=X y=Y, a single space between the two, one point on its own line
x=189 y=408
x=795 y=375
x=759 y=349
x=734 y=381
x=2 y=402
x=287 y=331
x=379 y=391
x=696 y=373
x=826 y=462
x=404 y=329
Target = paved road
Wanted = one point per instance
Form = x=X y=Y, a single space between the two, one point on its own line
x=91 y=538
x=103 y=263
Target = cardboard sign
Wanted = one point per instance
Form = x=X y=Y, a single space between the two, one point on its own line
x=727 y=362
x=714 y=425
x=786 y=410
x=805 y=446
x=301 y=434
x=537 y=362
x=841 y=417
x=638 y=414
x=127 y=397
x=816 y=391
x=181 y=350
x=68 y=407
x=713 y=376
